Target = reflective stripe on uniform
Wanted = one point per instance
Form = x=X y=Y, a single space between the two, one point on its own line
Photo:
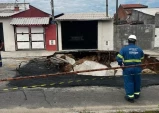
x=131 y=96
x=120 y=56
x=137 y=93
x=132 y=60
x=142 y=58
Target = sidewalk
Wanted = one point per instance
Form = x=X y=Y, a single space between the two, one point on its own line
x=20 y=54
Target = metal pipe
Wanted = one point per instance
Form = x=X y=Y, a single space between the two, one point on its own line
x=107 y=8
x=24 y=5
x=116 y=11
x=75 y=72
x=52 y=9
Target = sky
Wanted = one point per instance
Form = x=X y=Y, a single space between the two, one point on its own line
x=78 y=6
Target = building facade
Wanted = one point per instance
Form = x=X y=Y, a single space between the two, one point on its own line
x=125 y=11
x=148 y=16
x=27 y=28
x=85 y=31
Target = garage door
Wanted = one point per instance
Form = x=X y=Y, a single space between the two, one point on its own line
x=79 y=35
x=30 y=38
x=37 y=36
x=23 y=41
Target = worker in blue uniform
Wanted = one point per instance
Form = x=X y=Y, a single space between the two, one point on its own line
x=131 y=55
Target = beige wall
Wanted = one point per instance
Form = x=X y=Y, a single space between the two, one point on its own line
x=59 y=37
x=8 y=30
x=105 y=35
x=156 y=42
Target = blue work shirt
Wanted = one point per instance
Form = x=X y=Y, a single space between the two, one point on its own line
x=130 y=55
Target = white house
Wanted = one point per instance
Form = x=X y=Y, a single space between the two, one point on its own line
x=24 y=27
x=7 y=10
x=85 y=31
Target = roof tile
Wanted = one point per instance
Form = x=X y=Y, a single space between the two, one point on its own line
x=7 y=9
x=149 y=11
x=30 y=21
x=84 y=16
x=130 y=6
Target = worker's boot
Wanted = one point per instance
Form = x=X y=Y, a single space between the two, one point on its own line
x=136 y=96
x=129 y=99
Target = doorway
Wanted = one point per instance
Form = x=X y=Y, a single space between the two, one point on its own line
x=1 y=35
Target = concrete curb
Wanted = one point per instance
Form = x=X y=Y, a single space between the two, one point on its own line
x=91 y=109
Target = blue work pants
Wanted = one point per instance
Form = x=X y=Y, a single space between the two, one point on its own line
x=132 y=81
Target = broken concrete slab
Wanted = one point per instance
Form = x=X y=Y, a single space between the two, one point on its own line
x=70 y=60
x=148 y=71
x=151 y=53
x=89 y=65
x=118 y=71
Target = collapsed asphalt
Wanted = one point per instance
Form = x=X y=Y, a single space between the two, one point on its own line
x=39 y=66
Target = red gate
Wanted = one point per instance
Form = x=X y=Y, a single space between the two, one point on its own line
x=51 y=37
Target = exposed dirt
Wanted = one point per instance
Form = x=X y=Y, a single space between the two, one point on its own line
x=104 y=58
x=43 y=65
x=147 y=60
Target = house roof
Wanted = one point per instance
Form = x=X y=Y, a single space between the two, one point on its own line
x=149 y=11
x=84 y=16
x=7 y=9
x=30 y=21
x=8 y=14
x=128 y=11
x=131 y=6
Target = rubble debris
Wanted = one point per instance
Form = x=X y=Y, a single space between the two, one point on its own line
x=149 y=59
x=36 y=66
x=148 y=71
x=117 y=71
x=88 y=65
x=70 y=60
x=77 y=61
x=66 y=67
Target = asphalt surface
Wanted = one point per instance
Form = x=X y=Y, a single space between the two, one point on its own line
x=80 y=80
x=79 y=98
x=71 y=93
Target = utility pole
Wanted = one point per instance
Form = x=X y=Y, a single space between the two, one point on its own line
x=107 y=8
x=24 y=5
x=116 y=11
x=52 y=9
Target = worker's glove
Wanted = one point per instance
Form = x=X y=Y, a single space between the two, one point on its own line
x=120 y=63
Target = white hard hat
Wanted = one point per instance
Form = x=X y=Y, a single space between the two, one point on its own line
x=132 y=37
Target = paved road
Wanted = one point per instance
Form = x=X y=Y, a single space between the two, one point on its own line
x=85 y=93
x=78 y=99
x=104 y=95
